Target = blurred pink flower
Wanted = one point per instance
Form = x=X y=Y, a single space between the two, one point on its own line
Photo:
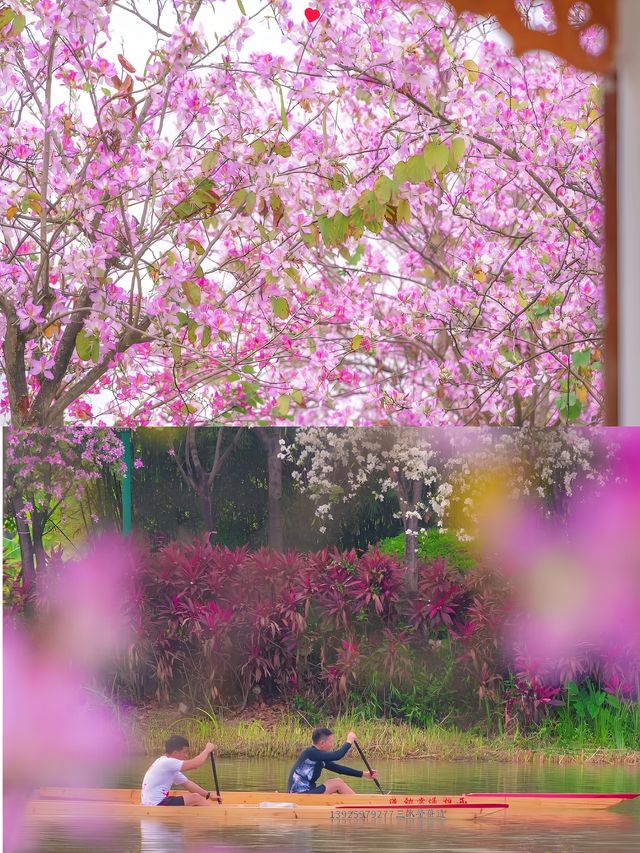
x=58 y=729
x=577 y=579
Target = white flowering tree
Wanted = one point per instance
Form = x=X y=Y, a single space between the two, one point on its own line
x=334 y=465
x=443 y=476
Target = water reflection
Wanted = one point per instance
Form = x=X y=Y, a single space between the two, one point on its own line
x=603 y=830
x=157 y=837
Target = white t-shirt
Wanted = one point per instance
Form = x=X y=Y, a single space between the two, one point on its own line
x=163 y=774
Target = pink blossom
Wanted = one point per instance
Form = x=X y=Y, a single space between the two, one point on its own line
x=29 y=313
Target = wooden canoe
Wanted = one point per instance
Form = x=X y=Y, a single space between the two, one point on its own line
x=264 y=811
x=527 y=801
x=518 y=802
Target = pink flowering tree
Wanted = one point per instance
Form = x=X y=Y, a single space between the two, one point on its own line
x=43 y=469
x=392 y=217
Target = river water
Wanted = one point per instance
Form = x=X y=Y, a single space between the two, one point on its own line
x=617 y=830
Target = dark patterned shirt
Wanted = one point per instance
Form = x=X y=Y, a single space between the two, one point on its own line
x=310 y=764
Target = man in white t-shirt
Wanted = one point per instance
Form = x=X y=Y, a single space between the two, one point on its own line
x=166 y=771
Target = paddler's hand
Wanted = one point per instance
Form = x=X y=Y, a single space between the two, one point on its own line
x=373 y=774
x=210 y=747
x=351 y=737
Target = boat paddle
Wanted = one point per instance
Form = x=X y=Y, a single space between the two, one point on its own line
x=215 y=777
x=367 y=765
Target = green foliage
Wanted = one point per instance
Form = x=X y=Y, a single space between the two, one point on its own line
x=593 y=716
x=10 y=567
x=432 y=545
x=88 y=346
x=308 y=711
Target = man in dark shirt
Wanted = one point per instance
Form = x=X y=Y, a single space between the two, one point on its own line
x=310 y=764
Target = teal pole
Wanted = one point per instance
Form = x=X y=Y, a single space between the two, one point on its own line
x=125 y=437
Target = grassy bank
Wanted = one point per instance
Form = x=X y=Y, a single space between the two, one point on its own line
x=283 y=736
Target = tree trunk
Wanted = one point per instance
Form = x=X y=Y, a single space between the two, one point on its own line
x=27 y=555
x=270 y=438
x=205 y=504
x=196 y=475
x=38 y=520
x=411 y=537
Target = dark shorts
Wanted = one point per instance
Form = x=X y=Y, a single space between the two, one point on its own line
x=319 y=789
x=172 y=801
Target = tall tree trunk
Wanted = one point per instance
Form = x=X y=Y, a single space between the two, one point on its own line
x=409 y=494
x=411 y=537
x=38 y=521
x=27 y=555
x=205 y=503
x=270 y=438
x=201 y=480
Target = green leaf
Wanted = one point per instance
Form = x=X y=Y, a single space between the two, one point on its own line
x=283 y=149
x=400 y=175
x=293 y=274
x=88 y=346
x=197 y=247
x=297 y=396
x=6 y=15
x=184 y=210
x=355 y=257
x=569 y=406
x=189 y=409
x=206 y=336
x=404 y=211
x=283 y=405
x=510 y=356
x=472 y=70
x=457 y=152
x=596 y=94
x=259 y=147
x=581 y=358
x=239 y=198
x=84 y=344
x=363 y=95
x=192 y=292
x=373 y=210
x=241 y=7
x=334 y=228
x=356 y=223
x=391 y=112
x=383 y=188
x=436 y=156
x=210 y=160
x=280 y=307
x=447 y=45
x=414 y=171
x=283 y=111
x=356 y=343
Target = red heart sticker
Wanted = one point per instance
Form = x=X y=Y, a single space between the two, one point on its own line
x=311 y=15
